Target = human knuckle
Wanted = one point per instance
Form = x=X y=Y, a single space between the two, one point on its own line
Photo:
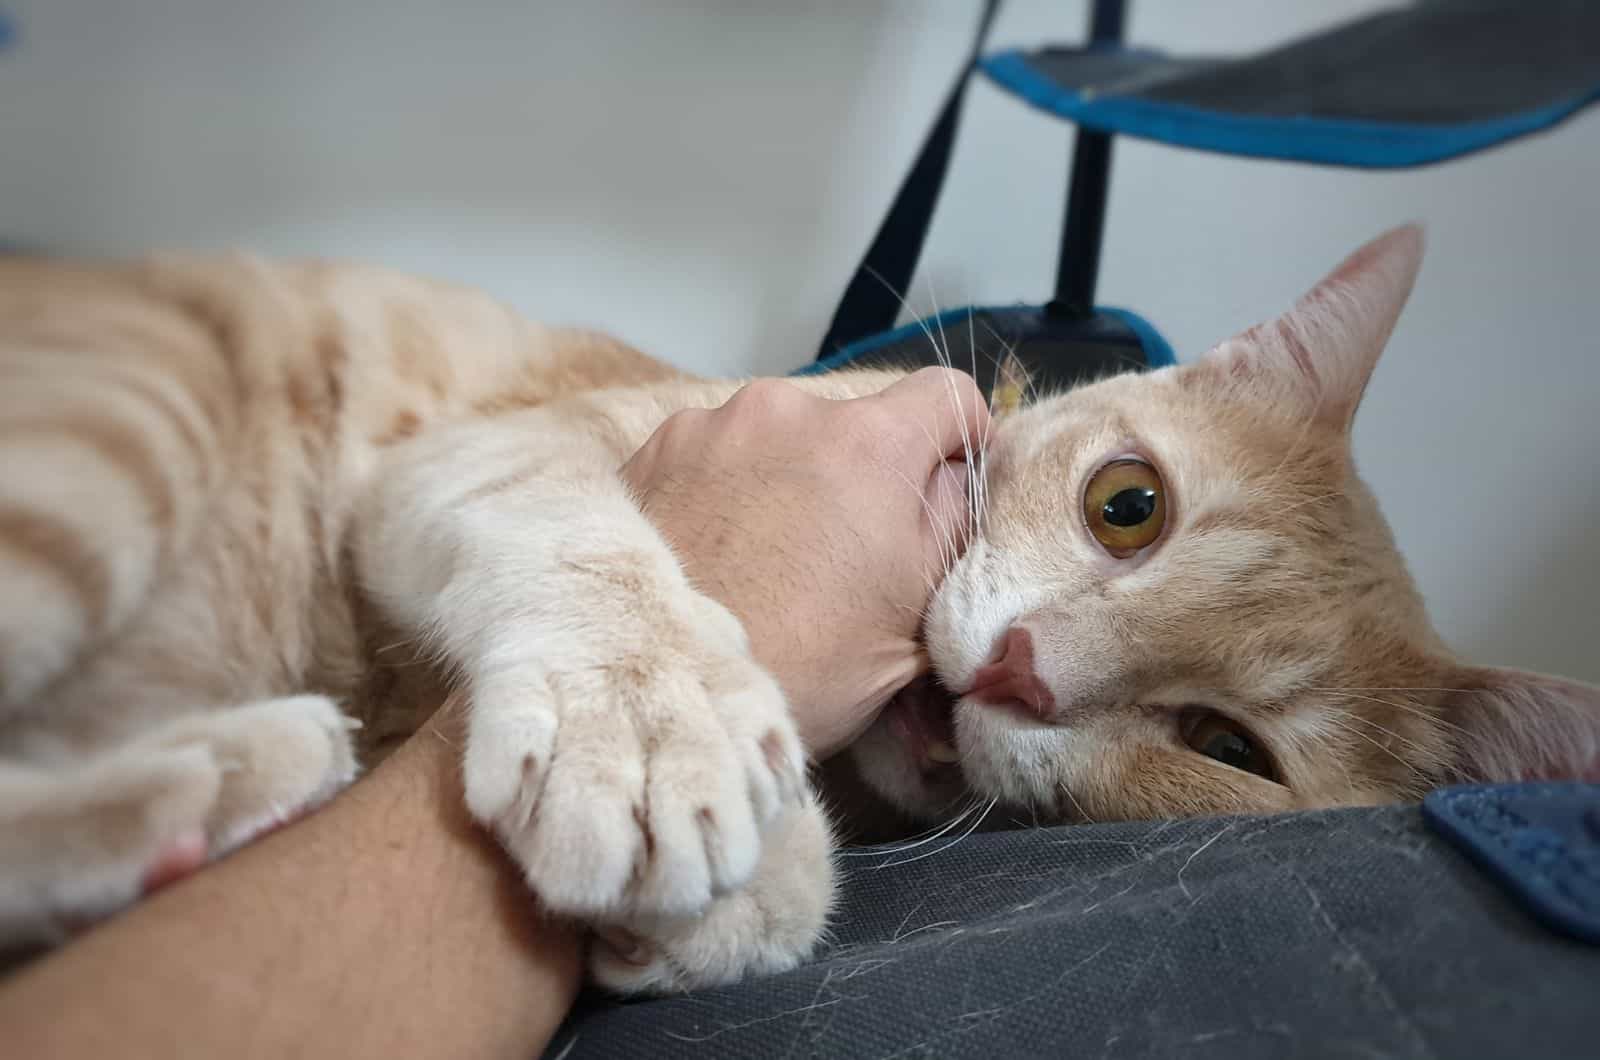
x=765 y=390
x=768 y=399
x=682 y=426
x=935 y=373
x=683 y=419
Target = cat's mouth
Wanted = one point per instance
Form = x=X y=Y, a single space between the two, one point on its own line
x=920 y=716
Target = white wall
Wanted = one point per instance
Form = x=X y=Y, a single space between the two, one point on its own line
x=701 y=176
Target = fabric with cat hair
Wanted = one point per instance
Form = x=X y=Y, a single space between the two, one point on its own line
x=1327 y=933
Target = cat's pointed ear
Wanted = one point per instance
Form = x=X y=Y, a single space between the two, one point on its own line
x=1013 y=386
x=1320 y=354
x=1510 y=725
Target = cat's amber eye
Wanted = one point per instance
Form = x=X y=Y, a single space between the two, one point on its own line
x=1227 y=741
x=1125 y=506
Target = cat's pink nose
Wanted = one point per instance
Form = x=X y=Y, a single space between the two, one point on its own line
x=1011 y=679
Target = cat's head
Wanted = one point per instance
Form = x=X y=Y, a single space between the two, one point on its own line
x=1182 y=600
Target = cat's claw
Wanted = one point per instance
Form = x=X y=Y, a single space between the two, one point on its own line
x=635 y=789
x=768 y=926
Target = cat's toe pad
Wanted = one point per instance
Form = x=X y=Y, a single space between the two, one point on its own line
x=768 y=926
x=280 y=759
x=637 y=789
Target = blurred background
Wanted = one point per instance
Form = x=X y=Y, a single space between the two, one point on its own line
x=701 y=177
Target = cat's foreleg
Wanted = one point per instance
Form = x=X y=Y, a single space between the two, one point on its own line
x=621 y=741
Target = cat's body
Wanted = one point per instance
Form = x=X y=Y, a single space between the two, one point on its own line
x=236 y=499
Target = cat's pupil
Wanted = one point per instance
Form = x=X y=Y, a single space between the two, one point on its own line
x=1130 y=507
x=1231 y=749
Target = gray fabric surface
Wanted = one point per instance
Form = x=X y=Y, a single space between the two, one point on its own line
x=1332 y=934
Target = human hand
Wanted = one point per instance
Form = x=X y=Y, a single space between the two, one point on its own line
x=824 y=526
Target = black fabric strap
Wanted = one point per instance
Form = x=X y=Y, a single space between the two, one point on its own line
x=872 y=301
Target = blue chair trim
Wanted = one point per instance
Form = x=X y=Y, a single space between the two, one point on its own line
x=1327 y=141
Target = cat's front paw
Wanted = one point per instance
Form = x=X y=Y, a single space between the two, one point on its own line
x=638 y=785
x=768 y=926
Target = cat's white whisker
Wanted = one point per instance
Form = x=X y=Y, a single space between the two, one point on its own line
x=944 y=541
x=946 y=361
x=1076 y=805
x=1412 y=744
x=976 y=820
x=938 y=353
x=921 y=838
x=972 y=342
x=951 y=553
x=1347 y=730
x=1400 y=705
x=938 y=318
x=977 y=497
x=1387 y=688
x=975 y=478
x=976 y=485
x=1029 y=388
x=942 y=356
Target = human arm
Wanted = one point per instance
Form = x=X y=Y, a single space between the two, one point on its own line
x=386 y=924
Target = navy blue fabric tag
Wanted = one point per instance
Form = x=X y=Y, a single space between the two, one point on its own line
x=1542 y=841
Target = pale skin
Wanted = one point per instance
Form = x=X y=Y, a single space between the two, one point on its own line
x=388 y=923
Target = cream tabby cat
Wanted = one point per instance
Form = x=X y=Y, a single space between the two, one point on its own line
x=231 y=493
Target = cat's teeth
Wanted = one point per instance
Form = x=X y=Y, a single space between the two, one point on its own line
x=943 y=753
